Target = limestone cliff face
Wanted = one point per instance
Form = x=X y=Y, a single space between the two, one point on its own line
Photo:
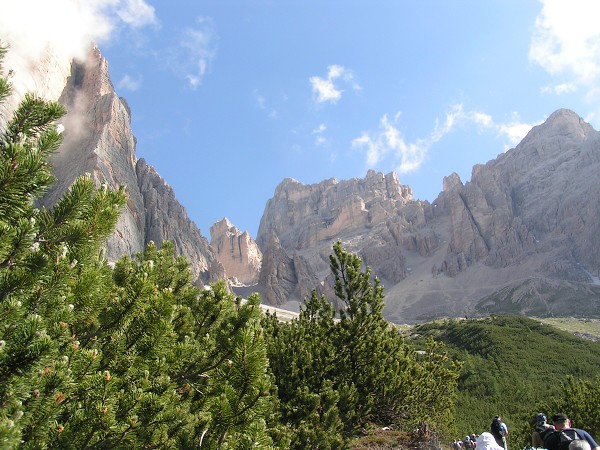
x=303 y=215
x=238 y=252
x=539 y=198
x=278 y=275
x=521 y=236
x=166 y=219
x=530 y=214
x=98 y=140
x=375 y=216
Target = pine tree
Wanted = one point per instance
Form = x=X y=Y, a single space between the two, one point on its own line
x=301 y=357
x=222 y=367
x=43 y=254
x=93 y=356
x=173 y=366
x=334 y=377
x=123 y=397
x=394 y=384
x=578 y=396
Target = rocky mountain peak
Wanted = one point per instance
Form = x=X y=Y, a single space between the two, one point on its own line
x=451 y=181
x=529 y=214
x=564 y=120
x=237 y=252
x=98 y=140
x=562 y=124
x=318 y=211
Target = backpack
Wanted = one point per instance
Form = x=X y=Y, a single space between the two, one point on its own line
x=496 y=428
x=566 y=437
x=560 y=440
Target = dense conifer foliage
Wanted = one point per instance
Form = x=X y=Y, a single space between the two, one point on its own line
x=516 y=367
x=133 y=355
x=45 y=259
x=93 y=356
x=336 y=375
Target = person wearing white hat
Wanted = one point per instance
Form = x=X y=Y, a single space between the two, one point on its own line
x=486 y=441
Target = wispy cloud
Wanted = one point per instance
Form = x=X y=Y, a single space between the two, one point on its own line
x=514 y=130
x=318 y=133
x=194 y=52
x=136 y=13
x=325 y=90
x=566 y=43
x=261 y=102
x=389 y=140
x=389 y=143
x=558 y=89
x=129 y=83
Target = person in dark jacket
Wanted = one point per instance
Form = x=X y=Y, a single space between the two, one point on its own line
x=553 y=441
x=500 y=431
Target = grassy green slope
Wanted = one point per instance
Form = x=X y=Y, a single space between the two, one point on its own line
x=511 y=365
x=585 y=328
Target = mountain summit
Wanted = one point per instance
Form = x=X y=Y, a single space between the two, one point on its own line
x=521 y=236
x=527 y=218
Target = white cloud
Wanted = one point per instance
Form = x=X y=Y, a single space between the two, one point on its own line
x=261 y=102
x=388 y=142
x=566 y=43
x=482 y=119
x=514 y=130
x=68 y=25
x=195 y=50
x=325 y=90
x=129 y=83
x=58 y=31
x=318 y=132
x=320 y=129
x=136 y=13
x=558 y=89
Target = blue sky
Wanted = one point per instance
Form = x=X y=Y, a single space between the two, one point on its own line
x=228 y=97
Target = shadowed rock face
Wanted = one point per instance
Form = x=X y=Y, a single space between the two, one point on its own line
x=374 y=216
x=98 y=140
x=522 y=229
x=167 y=220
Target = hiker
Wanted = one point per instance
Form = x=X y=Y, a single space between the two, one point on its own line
x=564 y=436
x=499 y=430
x=541 y=425
x=486 y=441
x=467 y=442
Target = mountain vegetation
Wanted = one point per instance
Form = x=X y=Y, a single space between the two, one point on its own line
x=133 y=355
x=337 y=376
x=515 y=367
x=96 y=356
